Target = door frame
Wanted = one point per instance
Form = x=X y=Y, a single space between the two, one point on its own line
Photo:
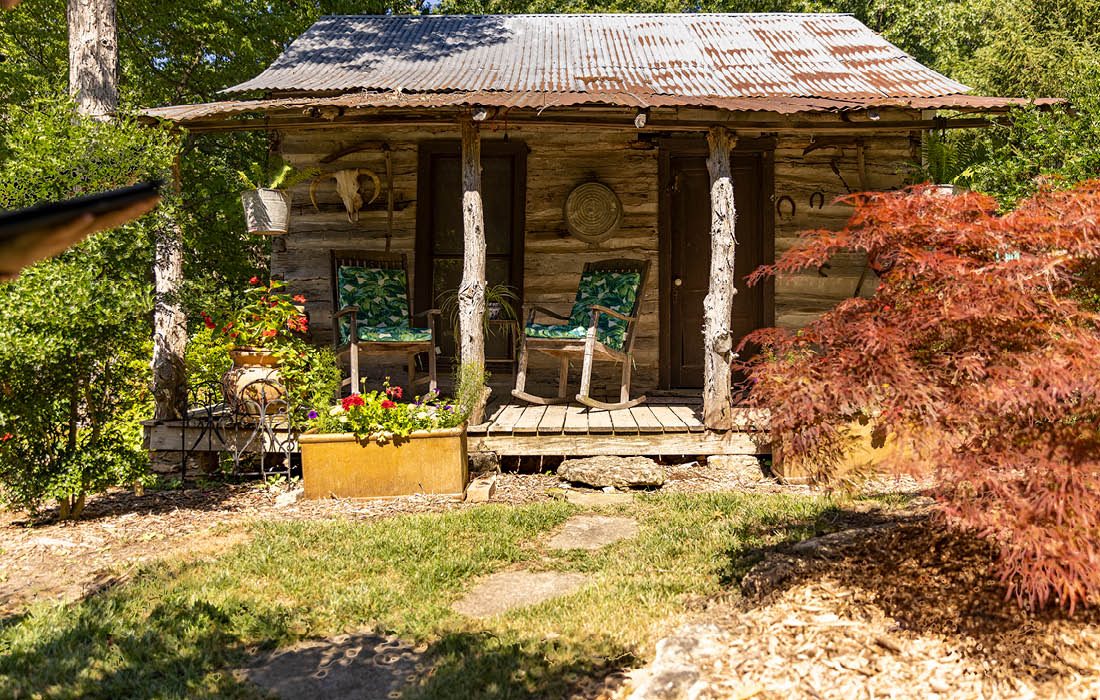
x=671 y=147
x=422 y=262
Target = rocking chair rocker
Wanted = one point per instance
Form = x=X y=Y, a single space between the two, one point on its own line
x=371 y=295
x=600 y=326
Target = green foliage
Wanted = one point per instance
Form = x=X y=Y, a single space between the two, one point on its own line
x=273 y=176
x=74 y=336
x=1060 y=146
x=310 y=374
x=945 y=159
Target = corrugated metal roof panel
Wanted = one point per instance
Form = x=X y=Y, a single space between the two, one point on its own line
x=677 y=55
x=183 y=114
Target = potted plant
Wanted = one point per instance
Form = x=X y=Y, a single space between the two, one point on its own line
x=267 y=199
x=262 y=334
x=499 y=305
x=377 y=445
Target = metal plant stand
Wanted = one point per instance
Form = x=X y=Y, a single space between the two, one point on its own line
x=257 y=422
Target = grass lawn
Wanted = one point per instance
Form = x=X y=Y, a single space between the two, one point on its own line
x=178 y=628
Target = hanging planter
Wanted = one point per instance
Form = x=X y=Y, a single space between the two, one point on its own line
x=266 y=211
x=267 y=200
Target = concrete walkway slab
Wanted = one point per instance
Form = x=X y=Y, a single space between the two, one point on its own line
x=508 y=590
x=593 y=532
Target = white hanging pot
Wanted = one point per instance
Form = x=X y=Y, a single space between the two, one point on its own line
x=266 y=211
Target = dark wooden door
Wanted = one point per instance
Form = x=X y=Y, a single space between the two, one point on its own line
x=688 y=246
x=439 y=249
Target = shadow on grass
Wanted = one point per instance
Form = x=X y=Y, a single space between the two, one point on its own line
x=483 y=665
x=95 y=650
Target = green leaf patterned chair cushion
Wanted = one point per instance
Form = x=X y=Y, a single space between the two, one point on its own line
x=615 y=290
x=382 y=297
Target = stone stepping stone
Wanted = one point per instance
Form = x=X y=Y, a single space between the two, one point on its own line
x=507 y=590
x=593 y=532
x=591 y=499
x=346 y=666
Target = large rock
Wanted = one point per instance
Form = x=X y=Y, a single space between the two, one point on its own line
x=620 y=472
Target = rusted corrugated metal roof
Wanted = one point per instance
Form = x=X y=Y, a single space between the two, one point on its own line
x=674 y=55
x=184 y=114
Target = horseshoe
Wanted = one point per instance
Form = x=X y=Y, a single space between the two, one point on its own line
x=779 y=207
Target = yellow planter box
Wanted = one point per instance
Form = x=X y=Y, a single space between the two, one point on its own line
x=337 y=465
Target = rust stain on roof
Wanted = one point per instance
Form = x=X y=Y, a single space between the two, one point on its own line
x=777 y=55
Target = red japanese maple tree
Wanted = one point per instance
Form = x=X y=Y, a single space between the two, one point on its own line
x=976 y=354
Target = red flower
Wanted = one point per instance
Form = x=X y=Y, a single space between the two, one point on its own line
x=387 y=404
x=254 y=280
x=394 y=392
x=208 y=321
x=353 y=400
x=270 y=333
x=299 y=299
x=5 y=437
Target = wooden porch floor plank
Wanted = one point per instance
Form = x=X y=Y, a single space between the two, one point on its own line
x=599 y=421
x=647 y=420
x=492 y=412
x=529 y=421
x=506 y=419
x=670 y=422
x=622 y=421
x=576 y=419
x=692 y=417
x=553 y=420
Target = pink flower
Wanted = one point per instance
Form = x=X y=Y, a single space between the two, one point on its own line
x=5 y=437
x=270 y=333
x=254 y=280
x=299 y=299
x=394 y=392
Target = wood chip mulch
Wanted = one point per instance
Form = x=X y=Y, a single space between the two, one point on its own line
x=895 y=610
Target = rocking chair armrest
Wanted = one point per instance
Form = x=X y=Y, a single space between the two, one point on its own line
x=548 y=312
x=597 y=309
x=428 y=312
x=346 y=311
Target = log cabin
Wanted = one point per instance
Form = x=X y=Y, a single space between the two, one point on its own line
x=714 y=140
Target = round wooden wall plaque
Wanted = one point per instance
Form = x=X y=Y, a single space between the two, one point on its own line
x=593 y=212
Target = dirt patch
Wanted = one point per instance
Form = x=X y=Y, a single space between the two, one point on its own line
x=892 y=609
x=365 y=665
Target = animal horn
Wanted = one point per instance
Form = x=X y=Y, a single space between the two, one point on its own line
x=313 y=191
x=377 y=184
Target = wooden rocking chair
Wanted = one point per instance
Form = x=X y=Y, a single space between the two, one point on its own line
x=371 y=294
x=600 y=326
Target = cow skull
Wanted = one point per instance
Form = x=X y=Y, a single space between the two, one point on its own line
x=347 y=186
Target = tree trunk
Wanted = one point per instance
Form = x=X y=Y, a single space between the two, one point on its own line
x=471 y=294
x=169 y=332
x=718 y=306
x=93 y=56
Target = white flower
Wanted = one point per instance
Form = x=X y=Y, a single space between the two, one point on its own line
x=343 y=419
x=336 y=410
x=422 y=415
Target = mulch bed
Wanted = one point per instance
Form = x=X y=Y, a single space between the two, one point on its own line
x=899 y=608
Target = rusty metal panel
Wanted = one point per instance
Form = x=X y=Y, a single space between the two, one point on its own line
x=674 y=55
x=182 y=114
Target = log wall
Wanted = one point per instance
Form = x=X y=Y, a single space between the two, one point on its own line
x=559 y=159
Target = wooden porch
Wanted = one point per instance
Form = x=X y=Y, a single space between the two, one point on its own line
x=663 y=426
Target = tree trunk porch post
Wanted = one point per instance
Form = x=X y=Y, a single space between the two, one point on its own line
x=471 y=293
x=718 y=306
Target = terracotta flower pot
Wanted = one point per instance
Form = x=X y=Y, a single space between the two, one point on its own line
x=429 y=461
x=254 y=384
